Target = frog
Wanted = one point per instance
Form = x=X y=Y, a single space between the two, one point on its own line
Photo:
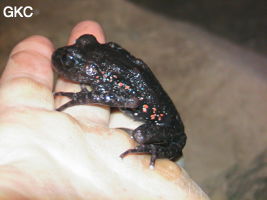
x=120 y=80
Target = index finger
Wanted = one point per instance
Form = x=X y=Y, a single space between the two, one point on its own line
x=87 y=27
x=28 y=78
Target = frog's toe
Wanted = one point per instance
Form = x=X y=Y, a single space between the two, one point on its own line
x=65 y=94
x=129 y=151
x=143 y=149
x=66 y=105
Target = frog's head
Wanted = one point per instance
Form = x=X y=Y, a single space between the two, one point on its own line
x=70 y=61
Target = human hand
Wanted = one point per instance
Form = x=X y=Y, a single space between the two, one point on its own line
x=45 y=154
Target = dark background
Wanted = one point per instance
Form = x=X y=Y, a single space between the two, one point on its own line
x=210 y=56
x=241 y=21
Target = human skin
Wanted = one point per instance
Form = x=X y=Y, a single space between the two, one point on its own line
x=74 y=154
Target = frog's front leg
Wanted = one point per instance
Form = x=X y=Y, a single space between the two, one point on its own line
x=159 y=141
x=77 y=98
x=85 y=97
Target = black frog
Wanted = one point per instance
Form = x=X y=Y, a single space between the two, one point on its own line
x=120 y=80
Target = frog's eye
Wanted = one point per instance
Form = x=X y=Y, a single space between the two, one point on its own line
x=68 y=60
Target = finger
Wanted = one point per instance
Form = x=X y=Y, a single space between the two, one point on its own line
x=28 y=78
x=87 y=27
x=120 y=120
x=89 y=114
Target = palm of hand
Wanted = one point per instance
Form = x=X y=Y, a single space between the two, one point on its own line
x=74 y=154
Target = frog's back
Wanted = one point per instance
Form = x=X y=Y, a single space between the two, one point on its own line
x=156 y=105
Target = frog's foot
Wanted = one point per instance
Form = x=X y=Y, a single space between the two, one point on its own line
x=129 y=131
x=78 y=98
x=171 y=152
x=144 y=149
x=159 y=141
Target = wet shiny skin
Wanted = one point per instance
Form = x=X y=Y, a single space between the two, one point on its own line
x=120 y=80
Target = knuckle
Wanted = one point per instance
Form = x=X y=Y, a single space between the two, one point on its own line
x=27 y=56
x=35 y=43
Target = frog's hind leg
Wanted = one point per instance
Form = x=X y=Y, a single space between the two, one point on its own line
x=171 y=152
x=159 y=141
x=129 y=131
x=143 y=149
